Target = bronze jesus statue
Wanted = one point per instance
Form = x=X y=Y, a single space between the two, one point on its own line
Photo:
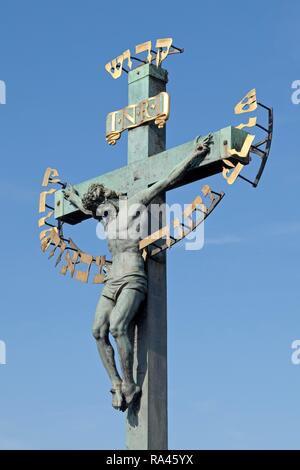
x=126 y=281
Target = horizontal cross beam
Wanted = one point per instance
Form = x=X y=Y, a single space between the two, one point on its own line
x=144 y=173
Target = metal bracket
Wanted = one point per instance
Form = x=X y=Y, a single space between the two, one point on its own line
x=262 y=148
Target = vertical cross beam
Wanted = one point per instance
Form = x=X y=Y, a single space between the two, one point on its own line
x=147 y=425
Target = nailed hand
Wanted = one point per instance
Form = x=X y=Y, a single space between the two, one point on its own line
x=203 y=146
x=69 y=191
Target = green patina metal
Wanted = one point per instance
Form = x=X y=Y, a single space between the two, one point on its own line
x=141 y=173
x=148 y=162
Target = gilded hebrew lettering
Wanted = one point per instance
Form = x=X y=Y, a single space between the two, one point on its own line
x=55 y=241
x=163 y=46
x=43 y=195
x=243 y=153
x=114 y=68
x=50 y=175
x=155 y=236
x=52 y=237
x=185 y=221
x=46 y=240
x=193 y=206
x=43 y=233
x=251 y=123
x=85 y=259
x=162 y=54
x=231 y=177
x=70 y=260
x=145 y=46
x=127 y=56
x=247 y=104
x=99 y=277
x=42 y=220
x=70 y=263
x=190 y=209
x=62 y=246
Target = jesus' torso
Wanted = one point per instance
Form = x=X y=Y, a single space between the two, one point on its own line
x=124 y=229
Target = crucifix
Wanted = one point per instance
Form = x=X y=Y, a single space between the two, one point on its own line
x=133 y=305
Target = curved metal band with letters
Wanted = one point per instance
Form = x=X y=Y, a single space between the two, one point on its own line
x=53 y=236
x=163 y=239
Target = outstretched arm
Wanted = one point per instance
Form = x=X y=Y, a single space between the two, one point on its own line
x=72 y=196
x=146 y=196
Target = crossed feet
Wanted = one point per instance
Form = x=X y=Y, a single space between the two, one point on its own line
x=124 y=395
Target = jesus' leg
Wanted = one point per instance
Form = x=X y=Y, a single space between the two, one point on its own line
x=124 y=311
x=107 y=355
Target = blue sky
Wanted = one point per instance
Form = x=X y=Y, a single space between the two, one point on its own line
x=233 y=306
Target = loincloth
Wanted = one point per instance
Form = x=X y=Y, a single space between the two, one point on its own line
x=114 y=285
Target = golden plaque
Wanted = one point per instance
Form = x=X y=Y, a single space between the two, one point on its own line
x=156 y=108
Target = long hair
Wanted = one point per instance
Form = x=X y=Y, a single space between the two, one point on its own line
x=95 y=195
